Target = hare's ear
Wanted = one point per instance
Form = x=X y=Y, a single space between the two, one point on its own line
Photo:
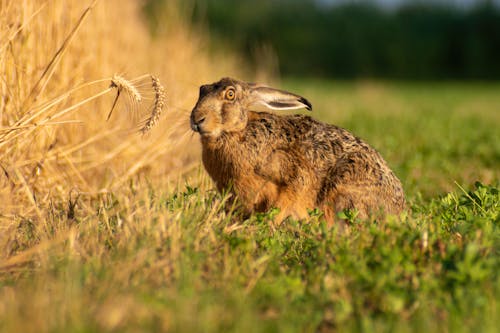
x=275 y=99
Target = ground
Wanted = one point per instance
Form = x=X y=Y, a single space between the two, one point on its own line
x=153 y=257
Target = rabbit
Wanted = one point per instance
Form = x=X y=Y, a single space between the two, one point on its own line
x=291 y=162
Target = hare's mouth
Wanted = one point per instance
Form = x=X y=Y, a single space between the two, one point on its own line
x=196 y=125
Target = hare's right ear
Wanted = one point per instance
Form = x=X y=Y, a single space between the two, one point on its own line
x=275 y=99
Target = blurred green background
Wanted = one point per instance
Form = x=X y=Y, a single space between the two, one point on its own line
x=455 y=39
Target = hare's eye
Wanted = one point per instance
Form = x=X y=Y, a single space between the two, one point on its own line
x=230 y=94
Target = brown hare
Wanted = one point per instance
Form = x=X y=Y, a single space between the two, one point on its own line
x=291 y=162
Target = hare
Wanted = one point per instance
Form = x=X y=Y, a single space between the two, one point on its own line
x=291 y=162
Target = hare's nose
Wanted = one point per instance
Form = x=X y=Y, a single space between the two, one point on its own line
x=195 y=124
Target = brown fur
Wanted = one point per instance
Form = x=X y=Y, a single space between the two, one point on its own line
x=291 y=162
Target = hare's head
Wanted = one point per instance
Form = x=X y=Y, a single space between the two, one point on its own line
x=222 y=106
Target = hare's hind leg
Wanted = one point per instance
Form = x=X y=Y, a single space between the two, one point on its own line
x=352 y=184
x=289 y=208
x=342 y=198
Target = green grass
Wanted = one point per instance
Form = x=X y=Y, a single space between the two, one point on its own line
x=147 y=258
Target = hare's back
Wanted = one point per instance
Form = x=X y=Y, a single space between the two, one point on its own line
x=313 y=139
x=329 y=147
x=293 y=128
x=325 y=141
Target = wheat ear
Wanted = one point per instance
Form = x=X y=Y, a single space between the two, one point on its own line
x=153 y=119
x=125 y=86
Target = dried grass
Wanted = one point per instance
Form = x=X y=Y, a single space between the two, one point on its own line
x=54 y=100
x=62 y=164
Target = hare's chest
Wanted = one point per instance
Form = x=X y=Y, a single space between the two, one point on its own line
x=225 y=167
x=237 y=172
x=219 y=167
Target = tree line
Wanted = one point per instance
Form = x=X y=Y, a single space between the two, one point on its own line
x=414 y=41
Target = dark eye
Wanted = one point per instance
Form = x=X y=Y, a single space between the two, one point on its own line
x=230 y=94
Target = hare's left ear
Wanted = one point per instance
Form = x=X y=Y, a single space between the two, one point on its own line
x=275 y=99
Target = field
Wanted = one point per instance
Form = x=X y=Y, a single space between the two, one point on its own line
x=112 y=232
x=146 y=257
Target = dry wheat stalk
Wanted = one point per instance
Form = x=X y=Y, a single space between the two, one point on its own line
x=159 y=103
x=44 y=79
